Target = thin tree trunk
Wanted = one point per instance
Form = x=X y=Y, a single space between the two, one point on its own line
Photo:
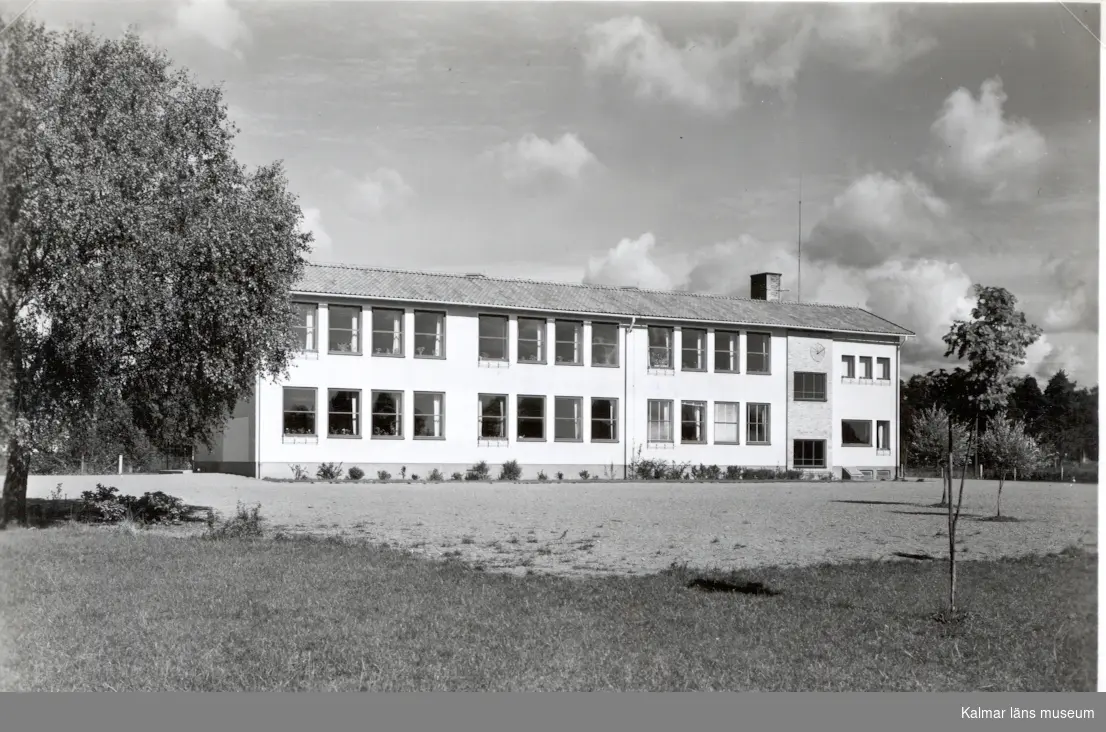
x=952 y=525
x=13 y=505
x=998 y=501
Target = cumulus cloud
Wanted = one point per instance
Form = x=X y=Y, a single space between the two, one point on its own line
x=873 y=37
x=379 y=190
x=534 y=158
x=215 y=21
x=880 y=217
x=630 y=263
x=1044 y=358
x=1075 y=285
x=312 y=222
x=979 y=146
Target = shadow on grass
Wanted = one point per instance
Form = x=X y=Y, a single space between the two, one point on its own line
x=935 y=513
x=1001 y=519
x=44 y=513
x=704 y=584
x=878 y=503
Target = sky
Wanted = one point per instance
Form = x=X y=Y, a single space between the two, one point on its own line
x=668 y=145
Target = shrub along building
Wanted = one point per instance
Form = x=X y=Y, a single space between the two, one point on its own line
x=424 y=371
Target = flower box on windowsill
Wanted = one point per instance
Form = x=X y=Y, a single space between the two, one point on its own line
x=492 y=442
x=487 y=362
x=290 y=439
x=867 y=381
x=660 y=445
x=883 y=451
x=309 y=355
x=848 y=380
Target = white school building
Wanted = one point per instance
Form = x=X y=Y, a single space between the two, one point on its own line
x=422 y=370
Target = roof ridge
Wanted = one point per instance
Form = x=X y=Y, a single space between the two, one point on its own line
x=586 y=285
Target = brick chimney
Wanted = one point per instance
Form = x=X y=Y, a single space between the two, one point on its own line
x=766 y=286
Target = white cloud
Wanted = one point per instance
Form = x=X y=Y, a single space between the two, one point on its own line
x=534 y=157
x=379 y=190
x=313 y=222
x=1074 y=289
x=872 y=37
x=1044 y=358
x=999 y=156
x=215 y=21
x=630 y=263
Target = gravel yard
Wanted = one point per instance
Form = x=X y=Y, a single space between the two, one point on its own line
x=633 y=528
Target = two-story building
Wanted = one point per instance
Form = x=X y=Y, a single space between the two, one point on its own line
x=419 y=370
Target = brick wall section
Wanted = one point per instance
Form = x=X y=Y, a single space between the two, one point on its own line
x=809 y=419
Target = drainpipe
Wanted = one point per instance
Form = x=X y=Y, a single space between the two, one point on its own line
x=898 y=397
x=257 y=428
x=626 y=402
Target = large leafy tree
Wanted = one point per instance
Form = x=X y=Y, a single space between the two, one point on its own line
x=141 y=266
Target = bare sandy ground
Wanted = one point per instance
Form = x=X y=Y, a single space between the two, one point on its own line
x=638 y=528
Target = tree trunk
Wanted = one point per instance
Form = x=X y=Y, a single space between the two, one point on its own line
x=952 y=528
x=998 y=501
x=13 y=505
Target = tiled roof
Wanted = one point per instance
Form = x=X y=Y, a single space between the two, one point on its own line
x=562 y=297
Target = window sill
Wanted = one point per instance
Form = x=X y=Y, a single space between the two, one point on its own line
x=726 y=371
x=693 y=442
x=568 y=363
x=605 y=442
x=759 y=373
x=660 y=445
x=429 y=358
x=848 y=380
x=568 y=439
x=867 y=381
x=528 y=362
x=758 y=444
x=343 y=437
x=387 y=355
x=656 y=371
x=387 y=437
x=343 y=353
x=883 y=452
x=429 y=437
x=856 y=444
x=530 y=439
x=301 y=439
x=489 y=363
x=308 y=355
x=492 y=442
x=810 y=399
x=883 y=382
x=719 y=442
x=693 y=371
x=605 y=365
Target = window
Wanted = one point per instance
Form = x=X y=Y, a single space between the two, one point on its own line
x=809 y=454
x=884 y=366
x=660 y=420
x=345 y=324
x=856 y=432
x=493 y=416
x=757 y=417
x=531 y=417
x=758 y=357
x=883 y=436
x=604 y=420
x=387 y=419
x=810 y=386
x=848 y=367
x=725 y=352
x=660 y=347
x=531 y=340
x=727 y=420
x=299 y=411
x=344 y=417
x=429 y=411
x=567 y=421
x=306 y=315
x=604 y=344
x=693 y=422
x=429 y=335
x=865 y=367
x=569 y=338
x=694 y=348
x=387 y=332
x=493 y=338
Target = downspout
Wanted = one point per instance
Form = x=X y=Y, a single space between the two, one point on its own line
x=626 y=402
x=898 y=397
x=257 y=428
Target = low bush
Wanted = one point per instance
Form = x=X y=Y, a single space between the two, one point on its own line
x=414 y=476
x=298 y=471
x=584 y=475
x=706 y=472
x=542 y=475
x=479 y=471
x=456 y=476
x=247 y=522
x=560 y=475
x=733 y=472
x=435 y=475
x=383 y=475
x=329 y=471
x=106 y=505
x=356 y=473
x=511 y=470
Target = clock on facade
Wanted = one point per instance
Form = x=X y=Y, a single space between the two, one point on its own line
x=817 y=351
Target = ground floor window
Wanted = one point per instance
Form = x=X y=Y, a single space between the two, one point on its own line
x=344 y=416
x=493 y=416
x=693 y=422
x=809 y=454
x=567 y=421
x=299 y=411
x=530 y=417
x=727 y=422
x=604 y=420
x=660 y=420
x=429 y=410
x=883 y=436
x=758 y=416
x=387 y=415
x=856 y=433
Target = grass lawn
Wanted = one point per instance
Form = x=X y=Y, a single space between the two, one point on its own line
x=108 y=609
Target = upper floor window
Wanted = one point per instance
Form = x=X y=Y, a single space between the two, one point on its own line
x=493 y=337
x=306 y=315
x=660 y=347
x=387 y=332
x=429 y=334
x=345 y=329
x=884 y=367
x=531 y=340
x=570 y=342
x=865 y=367
x=725 y=352
x=810 y=386
x=848 y=367
x=604 y=344
x=694 y=349
x=758 y=354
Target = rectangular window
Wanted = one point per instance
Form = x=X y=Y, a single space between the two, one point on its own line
x=693 y=422
x=865 y=367
x=660 y=347
x=883 y=435
x=884 y=367
x=604 y=420
x=345 y=328
x=387 y=414
x=387 y=332
x=299 y=411
x=306 y=315
x=493 y=416
x=429 y=412
x=429 y=334
x=727 y=422
x=757 y=419
x=604 y=344
x=758 y=356
x=856 y=433
x=344 y=416
x=569 y=338
x=810 y=386
x=660 y=420
x=530 y=415
x=809 y=454
x=493 y=338
x=694 y=349
x=726 y=352
x=848 y=367
x=531 y=340
x=568 y=420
